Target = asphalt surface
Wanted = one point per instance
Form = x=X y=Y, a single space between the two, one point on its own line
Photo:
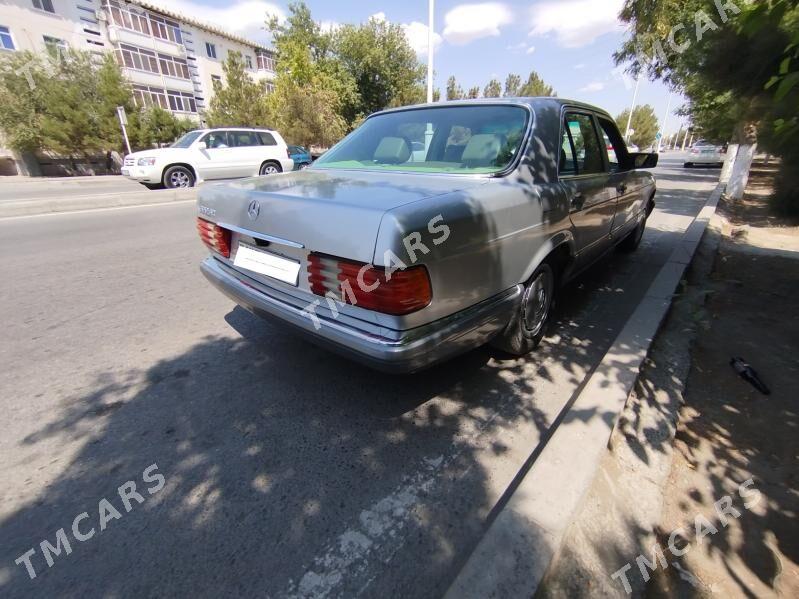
x=288 y=471
x=34 y=188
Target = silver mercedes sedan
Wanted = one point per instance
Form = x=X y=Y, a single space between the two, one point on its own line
x=431 y=229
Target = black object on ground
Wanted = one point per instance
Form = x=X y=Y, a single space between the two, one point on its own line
x=749 y=374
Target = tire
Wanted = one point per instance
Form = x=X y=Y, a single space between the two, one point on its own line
x=270 y=168
x=177 y=177
x=633 y=239
x=529 y=322
x=687 y=165
x=153 y=185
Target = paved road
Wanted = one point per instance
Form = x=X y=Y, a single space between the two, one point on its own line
x=289 y=472
x=34 y=188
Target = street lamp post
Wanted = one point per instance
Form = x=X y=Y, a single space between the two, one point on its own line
x=430 y=7
x=632 y=108
x=665 y=122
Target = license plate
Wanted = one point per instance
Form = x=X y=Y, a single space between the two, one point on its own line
x=267 y=264
x=125 y=172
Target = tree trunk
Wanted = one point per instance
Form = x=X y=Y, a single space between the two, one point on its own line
x=746 y=136
x=729 y=160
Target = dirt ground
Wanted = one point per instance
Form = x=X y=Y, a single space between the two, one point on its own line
x=739 y=541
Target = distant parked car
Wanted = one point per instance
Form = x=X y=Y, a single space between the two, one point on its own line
x=301 y=157
x=401 y=261
x=207 y=154
x=705 y=153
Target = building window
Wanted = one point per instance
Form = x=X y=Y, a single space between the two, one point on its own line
x=165 y=29
x=174 y=67
x=54 y=45
x=6 y=41
x=45 y=5
x=270 y=87
x=210 y=49
x=216 y=79
x=137 y=58
x=248 y=61
x=265 y=62
x=167 y=99
x=127 y=18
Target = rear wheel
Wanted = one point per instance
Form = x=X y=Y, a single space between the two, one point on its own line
x=177 y=177
x=633 y=239
x=270 y=168
x=528 y=324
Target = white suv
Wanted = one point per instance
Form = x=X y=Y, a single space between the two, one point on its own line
x=210 y=154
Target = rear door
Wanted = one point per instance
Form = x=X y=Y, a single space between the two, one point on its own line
x=622 y=184
x=584 y=176
x=246 y=153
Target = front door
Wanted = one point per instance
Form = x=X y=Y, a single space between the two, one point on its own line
x=215 y=161
x=584 y=176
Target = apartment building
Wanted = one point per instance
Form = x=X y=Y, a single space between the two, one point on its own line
x=171 y=60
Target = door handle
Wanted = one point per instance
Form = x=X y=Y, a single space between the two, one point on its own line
x=622 y=189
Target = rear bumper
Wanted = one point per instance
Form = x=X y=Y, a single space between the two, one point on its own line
x=374 y=346
x=706 y=159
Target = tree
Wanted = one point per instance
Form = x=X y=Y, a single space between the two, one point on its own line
x=307 y=114
x=740 y=59
x=239 y=101
x=63 y=102
x=535 y=86
x=512 y=85
x=382 y=63
x=153 y=126
x=454 y=91
x=474 y=92
x=644 y=125
x=493 y=89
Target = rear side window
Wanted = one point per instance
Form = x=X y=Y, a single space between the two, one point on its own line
x=586 y=150
x=267 y=139
x=241 y=139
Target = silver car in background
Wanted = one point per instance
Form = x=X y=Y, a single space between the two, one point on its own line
x=431 y=230
x=704 y=153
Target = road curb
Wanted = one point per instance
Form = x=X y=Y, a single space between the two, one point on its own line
x=521 y=542
x=11 y=208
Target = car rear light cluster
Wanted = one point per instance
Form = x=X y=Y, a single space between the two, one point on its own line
x=371 y=287
x=214 y=236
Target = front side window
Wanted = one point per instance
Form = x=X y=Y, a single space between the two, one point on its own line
x=6 y=42
x=616 y=150
x=186 y=140
x=216 y=139
x=453 y=139
x=210 y=50
x=584 y=143
x=45 y=5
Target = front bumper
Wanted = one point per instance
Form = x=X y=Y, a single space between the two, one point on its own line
x=372 y=345
x=143 y=174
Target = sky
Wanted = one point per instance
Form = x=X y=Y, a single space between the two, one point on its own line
x=570 y=43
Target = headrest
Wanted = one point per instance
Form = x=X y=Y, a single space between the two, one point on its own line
x=392 y=150
x=482 y=149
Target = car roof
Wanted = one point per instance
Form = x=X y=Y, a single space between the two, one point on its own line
x=208 y=129
x=532 y=101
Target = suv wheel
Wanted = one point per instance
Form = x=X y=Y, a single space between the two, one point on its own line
x=176 y=177
x=270 y=168
x=528 y=324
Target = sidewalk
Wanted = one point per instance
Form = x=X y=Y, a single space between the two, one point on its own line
x=679 y=495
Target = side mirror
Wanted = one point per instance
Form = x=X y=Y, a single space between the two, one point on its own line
x=644 y=160
x=202 y=145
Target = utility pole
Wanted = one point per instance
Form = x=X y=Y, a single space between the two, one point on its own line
x=430 y=10
x=632 y=108
x=685 y=139
x=665 y=122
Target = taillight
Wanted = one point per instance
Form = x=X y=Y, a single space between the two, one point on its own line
x=370 y=287
x=214 y=236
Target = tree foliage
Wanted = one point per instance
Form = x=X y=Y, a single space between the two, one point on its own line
x=240 y=100
x=153 y=126
x=62 y=102
x=454 y=91
x=512 y=85
x=493 y=89
x=535 y=86
x=644 y=125
x=737 y=63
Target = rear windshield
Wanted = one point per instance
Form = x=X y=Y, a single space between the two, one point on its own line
x=451 y=139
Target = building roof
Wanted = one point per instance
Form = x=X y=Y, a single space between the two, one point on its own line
x=200 y=24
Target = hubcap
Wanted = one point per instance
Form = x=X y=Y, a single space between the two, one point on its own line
x=269 y=170
x=179 y=179
x=536 y=303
